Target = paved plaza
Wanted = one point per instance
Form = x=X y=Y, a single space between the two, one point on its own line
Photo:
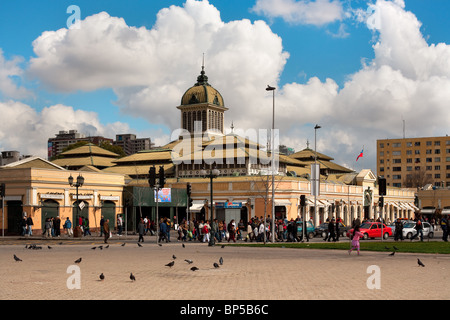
x=246 y=273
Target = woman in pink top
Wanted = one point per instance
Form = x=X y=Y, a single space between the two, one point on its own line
x=355 y=240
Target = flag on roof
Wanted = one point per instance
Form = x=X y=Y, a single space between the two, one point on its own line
x=360 y=155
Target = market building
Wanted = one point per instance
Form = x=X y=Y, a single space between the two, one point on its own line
x=38 y=188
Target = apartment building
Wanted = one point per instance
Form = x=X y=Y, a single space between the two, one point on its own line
x=65 y=138
x=131 y=145
x=414 y=162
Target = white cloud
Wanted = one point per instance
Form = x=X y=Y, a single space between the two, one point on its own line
x=318 y=12
x=9 y=72
x=27 y=130
x=149 y=70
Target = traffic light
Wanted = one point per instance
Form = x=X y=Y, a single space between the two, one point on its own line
x=303 y=200
x=381 y=202
x=161 y=177
x=188 y=190
x=190 y=202
x=382 y=186
x=2 y=190
x=152 y=177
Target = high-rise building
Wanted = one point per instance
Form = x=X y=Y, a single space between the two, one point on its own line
x=414 y=162
x=130 y=144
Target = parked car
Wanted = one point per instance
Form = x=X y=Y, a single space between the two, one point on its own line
x=309 y=229
x=409 y=231
x=403 y=220
x=322 y=230
x=373 y=230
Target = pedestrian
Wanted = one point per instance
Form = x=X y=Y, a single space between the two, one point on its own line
x=205 y=231
x=445 y=228
x=48 y=228
x=231 y=228
x=141 y=230
x=191 y=228
x=398 y=230
x=145 y=225
x=68 y=227
x=106 y=230
x=331 y=233
x=241 y=229
x=102 y=222
x=169 y=226
x=23 y=226
x=305 y=231
x=419 y=230
x=29 y=225
x=355 y=240
x=162 y=230
x=119 y=225
x=337 y=227
x=57 y=226
x=215 y=230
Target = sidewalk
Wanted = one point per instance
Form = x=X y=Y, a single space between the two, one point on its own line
x=247 y=273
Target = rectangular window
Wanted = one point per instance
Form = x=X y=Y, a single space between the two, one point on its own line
x=396 y=145
x=396 y=169
x=437 y=143
x=409 y=144
x=396 y=153
x=437 y=159
x=437 y=151
x=397 y=177
x=437 y=167
x=417 y=143
x=397 y=161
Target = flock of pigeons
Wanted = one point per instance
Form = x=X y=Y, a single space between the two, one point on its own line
x=132 y=276
x=170 y=264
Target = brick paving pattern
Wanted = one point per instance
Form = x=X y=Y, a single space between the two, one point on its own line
x=247 y=273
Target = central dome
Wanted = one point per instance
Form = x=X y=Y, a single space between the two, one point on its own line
x=202 y=92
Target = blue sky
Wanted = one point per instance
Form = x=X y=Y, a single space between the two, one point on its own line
x=320 y=61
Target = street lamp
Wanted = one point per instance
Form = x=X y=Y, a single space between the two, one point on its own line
x=269 y=88
x=316 y=174
x=211 y=174
x=79 y=183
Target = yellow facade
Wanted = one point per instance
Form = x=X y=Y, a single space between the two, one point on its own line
x=41 y=193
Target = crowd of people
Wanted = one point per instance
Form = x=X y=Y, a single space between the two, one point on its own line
x=200 y=230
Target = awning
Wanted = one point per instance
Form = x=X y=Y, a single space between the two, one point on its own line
x=282 y=203
x=197 y=205
x=318 y=203
x=324 y=203
x=445 y=211
x=394 y=205
x=427 y=211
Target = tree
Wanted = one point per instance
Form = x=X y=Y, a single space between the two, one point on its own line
x=417 y=179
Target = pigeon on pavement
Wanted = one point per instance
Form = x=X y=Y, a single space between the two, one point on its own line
x=170 y=264
x=420 y=263
x=221 y=261
x=173 y=257
x=393 y=252
x=102 y=277
x=215 y=265
x=17 y=258
x=188 y=261
x=140 y=245
x=78 y=260
x=132 y=277
x=194 y=268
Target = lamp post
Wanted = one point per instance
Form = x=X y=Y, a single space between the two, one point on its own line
x=211 y=174
x=78 y=184
x=269 y=88
x=317 y=174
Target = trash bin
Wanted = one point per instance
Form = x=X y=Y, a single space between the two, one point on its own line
x=77 y=233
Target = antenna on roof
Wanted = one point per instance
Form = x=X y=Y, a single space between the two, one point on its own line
x=203 y=62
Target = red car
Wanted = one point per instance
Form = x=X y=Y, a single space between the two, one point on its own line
x=373 y=230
